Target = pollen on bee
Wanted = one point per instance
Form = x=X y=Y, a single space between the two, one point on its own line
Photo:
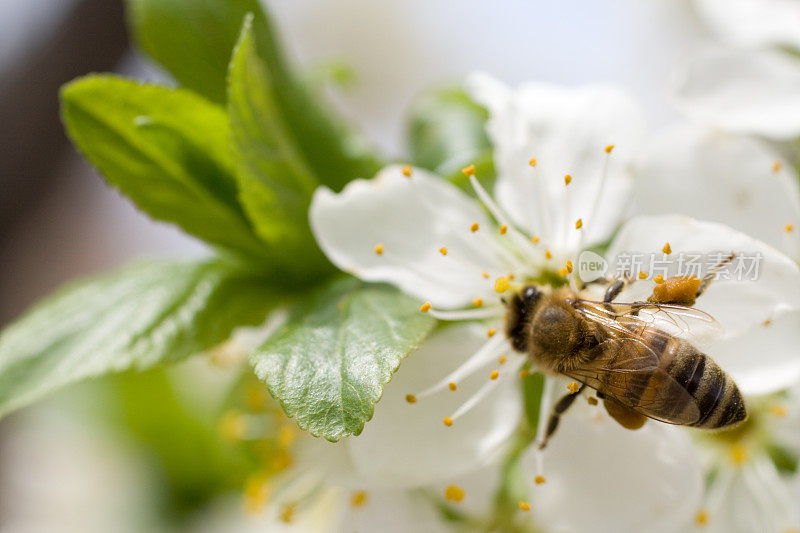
x=494 y=375
x=777 y=410
x=535 y=239
x=776 y=166
x=525 y=506
x=501 y=285
x=477 y=302
x=738 y=454
x=701 y=517
x=454 y=493
x=447 y=421
x=410 y=398
x=524 y=373
x=579 y=223
x=667 y=249
x=358 y=499
x=452 y=386
x=379 y=249
x=568 y=266
x=591 y=400
x=548 y=254
x=659 y=279
x=469 y=171
x=642 y=274
x=503 y=229
x=407 y=171
x=425 y=307
x=609 y=148
x=443 y=250
x=491 y=333
x=573 y=387
x=788 y=228
x=539 y=480
x=474 y=227
x=532 y=162
x=485 y=275
x=502 y=360
x=567 y=179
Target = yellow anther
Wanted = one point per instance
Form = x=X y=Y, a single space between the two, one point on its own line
x=642 y=274
x=494 y=375
x=788 y=228
x=591 y=400
x=547 y=254
x=667 y=249
x=568 y=265
x=511 y=277
x=443 y=250
x=535 y=239
x=454 y=493
x=563 y=272
x=524 y=373
x=407 y=171
x=579 y=223
x=485 y=275
x=447 y=421
x=477 y=302
x=287 y=515
x=502 y=359
x=701 y=517
x=573 y=387
x=491 y=332
x=233 y=425
x=425 y=307
x=501 y=285
x=286 y=436
x=539 y=480
x=474 y=227
x=358 y=499
x=379 y=249
x=410 y=398
x=532 y=162
x=503 y=229
x=469 y=171
x=659 y=279
x=525 y=506
x=738 y=454
x=776 y=166
x=609 y=148
x=777 y=410
x=452 y=386
x=256 y=492
x=567 y=179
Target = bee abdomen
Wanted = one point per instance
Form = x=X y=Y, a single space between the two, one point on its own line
x=716 y=395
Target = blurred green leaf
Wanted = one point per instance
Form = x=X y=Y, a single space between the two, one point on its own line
x=447 y=133
x=134 y=318
x=532 y=390
x=167 y=150
x=193 y=39
x=328 y=365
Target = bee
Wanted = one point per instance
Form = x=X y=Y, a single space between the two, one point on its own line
x=630 y=353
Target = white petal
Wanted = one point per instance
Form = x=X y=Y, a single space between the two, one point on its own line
x=567 y=130
x=754 y=22
x=725 y=178
x=407 y=444
x=606 y=479
x=736 y=304
x=393 y=511
x=765 y=359
x=743 y=91
x=412 y=218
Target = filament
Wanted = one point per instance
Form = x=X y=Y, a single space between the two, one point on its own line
x=468 y=314
x=541 y=426
x=600 y=190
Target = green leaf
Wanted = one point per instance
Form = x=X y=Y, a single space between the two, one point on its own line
x=328 y=365
x=532 y=390
x=134 y=318
x=447 y=132
x=167 y=150
x=192 y=39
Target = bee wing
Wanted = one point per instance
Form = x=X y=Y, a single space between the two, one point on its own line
x=688 y=323
x=627 y=370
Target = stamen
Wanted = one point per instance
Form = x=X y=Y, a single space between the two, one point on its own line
x=410 y=398
x=567 y=180
x=701 y=517
x=578 y=224
x=591 y=400
x=609 y=148
x=642 y=274
x=525 y=506
x=738 y=454
x=540 y=480
x=503 y=229
x=425 y=307
x=543 y=213
x=474 y=227
x=563 y=272
x=477 y=302
x=548 y=254
x=379 y=249
x=481 y=313
x=485 y=275
x=535 y=239
x=532 y=162
x=667 y=249
x=545 y=405
x=452 y=386
x=568 y=264
x=454 y=493
x=447 y=421
x=474 y=400
x=778 y=410
x=407 y=171
x=776 y=166
x=502 y=360
x=601 y=188
x=469 y=171
x=494 y=375
x=659 y=279
x=491 y=333
x=443 y=250
x=523 y=374
x=359 y=499
x=501 y=285
x=788 y=228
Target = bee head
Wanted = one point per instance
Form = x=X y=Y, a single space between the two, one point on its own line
x=521 y=308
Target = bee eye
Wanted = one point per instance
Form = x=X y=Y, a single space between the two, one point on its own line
x=530 y=295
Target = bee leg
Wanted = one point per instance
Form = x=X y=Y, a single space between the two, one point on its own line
x=555 y=417
x=615 y=287
x=711 y=275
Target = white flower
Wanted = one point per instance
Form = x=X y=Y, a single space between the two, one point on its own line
x=753 y=23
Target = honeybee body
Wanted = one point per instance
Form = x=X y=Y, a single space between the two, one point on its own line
x=635 y=367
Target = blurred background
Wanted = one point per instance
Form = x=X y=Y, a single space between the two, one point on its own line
x=73 y=465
